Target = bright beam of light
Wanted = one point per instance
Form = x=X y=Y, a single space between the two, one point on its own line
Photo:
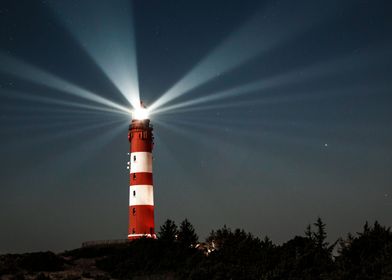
x=274 y=130
x=46 y=136
x=89 y=148
x=105 y=29
x=89 y=127
x=81 y=128
x=219 y=95
x=284 y=97
x=278 y=24
x=77 y=156
x=352 y=63
x=184 y=132
x=33 y=74
x=140 y=113
x=254 y=87
x=28 y=111
x=64 y=121
x=208 y=138
x=47 y=100
x=42 y=116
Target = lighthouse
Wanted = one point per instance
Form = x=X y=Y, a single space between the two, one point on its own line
x=141 y=191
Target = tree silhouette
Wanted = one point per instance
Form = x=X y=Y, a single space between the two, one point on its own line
x=367 y=256
x=217 y=238
x=187 y=235
x=168 y=231
x=239 y=255
x=320 y=235
x=307 y=257
x=227 y=254
x=308 y=232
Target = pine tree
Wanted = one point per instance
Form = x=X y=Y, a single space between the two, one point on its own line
x=366 y=228
x=320 y=235
x=168 y=231
x=308 y=232
x=187 y=235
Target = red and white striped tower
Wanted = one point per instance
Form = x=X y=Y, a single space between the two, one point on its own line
x=141 y=195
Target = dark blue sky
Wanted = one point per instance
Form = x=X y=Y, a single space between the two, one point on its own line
x=295 y=122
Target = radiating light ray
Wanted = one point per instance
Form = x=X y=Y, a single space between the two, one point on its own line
x=274 y=26
x=75 y=156
x=355 y=62
x=54 y=110
x=253 y=88
x=47 y=137
x=86 y=150
x=221 y=124
x=166 y=151
x=205 y=135
x=244 y=104
x=105 y=29
x=33 y=74
x=47 y=100
x=285 y=96
x=306 y=133
x=69 y=126
x=231 y=152
x=257 y=86
x=64 y=116
x=167 y=125
x=86 y=127
x=193 y=135
x=63 y=121
x=207 y=125
x=248 y=105
x=196 y=130
x=275 y=131
x=234 y=124
x=201 y=125
x=60 y=120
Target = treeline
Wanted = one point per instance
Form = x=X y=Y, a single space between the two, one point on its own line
x=225 y=254
x=236 y=254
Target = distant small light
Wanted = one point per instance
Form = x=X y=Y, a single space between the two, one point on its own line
x=325 y=145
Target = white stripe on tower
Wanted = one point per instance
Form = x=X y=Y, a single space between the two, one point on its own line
x=141 y=195
x=141 y=162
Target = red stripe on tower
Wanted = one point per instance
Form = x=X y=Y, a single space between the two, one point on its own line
x=141 y=195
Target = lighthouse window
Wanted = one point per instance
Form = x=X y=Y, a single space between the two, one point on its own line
x=133 y=231
x=134 y=158
x=134 y=193
x=134 y=176
x=133 y=211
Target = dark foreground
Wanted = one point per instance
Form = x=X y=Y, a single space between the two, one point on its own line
x=226 y=254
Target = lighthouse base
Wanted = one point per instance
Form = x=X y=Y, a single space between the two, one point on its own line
x=137 y=236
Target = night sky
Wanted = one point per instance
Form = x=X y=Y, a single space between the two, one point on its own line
x=269 y=114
